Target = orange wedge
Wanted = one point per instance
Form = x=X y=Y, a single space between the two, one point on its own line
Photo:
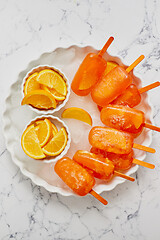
x=57 y=144
x=52 y=79
x=54 y=129
x=44 y=131
x=110 y=66
x=31 y=84
x=40 y=99
x=77 y=113
x=30 y=143
x=55 y=94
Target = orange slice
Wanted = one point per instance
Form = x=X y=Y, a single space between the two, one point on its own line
x=52 y=79
x=110 y=66
x=30 y=143
x=57 y=144
x=55 y=94
x=31 y=84
x=44 y=131
x=54 y=129
x=40 y=99
x=77 y=113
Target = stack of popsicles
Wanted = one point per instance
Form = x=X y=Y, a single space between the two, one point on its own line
x=116 y=95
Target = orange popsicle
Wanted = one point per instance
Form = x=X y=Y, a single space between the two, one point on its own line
x=113 y=140
x=90 y=71
x=86 y=159
x=132 y=95
x=102 y=168
x=121 y=161
x=113 y=84
x=125 y=118
x=77 y=178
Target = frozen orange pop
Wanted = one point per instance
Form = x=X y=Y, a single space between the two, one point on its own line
x=132 y=95
x=113 y=140
x=121 y=161
x=102 y=168
x=76 y=177
x=125 y=118
x=90 y=71
x=111 y=85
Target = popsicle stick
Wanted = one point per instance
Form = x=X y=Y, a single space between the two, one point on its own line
x=105 y=47
x=144 y=148
x=135 y=63
x=124 y=176
x=98 y=197
x=150 y=126
x=149 y=87
x=143 y=164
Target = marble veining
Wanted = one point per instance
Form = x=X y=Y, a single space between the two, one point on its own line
x=29 y=28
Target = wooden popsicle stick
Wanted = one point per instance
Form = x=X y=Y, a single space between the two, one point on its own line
x=105 y=47
x=144 y=164
x=150 y=126
x=144 y=148
x=135 y=63
x=124 y=176
x=149 y=87
x=98 y=197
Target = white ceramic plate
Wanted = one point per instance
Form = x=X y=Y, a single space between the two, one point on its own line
x=16 y=117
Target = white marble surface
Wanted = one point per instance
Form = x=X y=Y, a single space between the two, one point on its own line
x=29 y=28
